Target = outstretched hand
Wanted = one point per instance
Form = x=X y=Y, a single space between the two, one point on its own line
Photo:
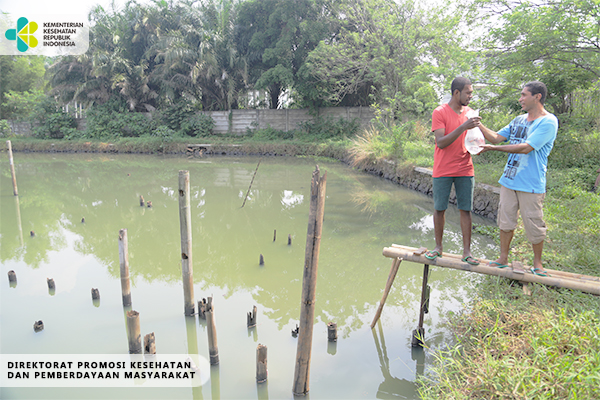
x=486 y=147
x=471 y=123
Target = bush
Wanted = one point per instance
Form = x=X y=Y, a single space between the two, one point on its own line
x=198 y=125
x=52 y=122
x=113 y=120
x=5 y=130
x=326 y=129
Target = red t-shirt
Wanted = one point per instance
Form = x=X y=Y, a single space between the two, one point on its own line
x=453 y=160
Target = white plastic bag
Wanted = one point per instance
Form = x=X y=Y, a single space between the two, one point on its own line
x=474 y=138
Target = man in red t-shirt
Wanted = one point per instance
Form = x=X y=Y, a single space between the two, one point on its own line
x=452 y=165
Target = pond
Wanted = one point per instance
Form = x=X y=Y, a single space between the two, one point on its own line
x=76 y=204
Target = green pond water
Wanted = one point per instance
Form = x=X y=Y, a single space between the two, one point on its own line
x=363 y=214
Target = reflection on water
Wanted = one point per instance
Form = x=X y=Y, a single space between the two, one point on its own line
x=363 y=214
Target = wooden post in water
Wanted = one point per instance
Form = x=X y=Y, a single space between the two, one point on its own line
x=332 y=332
x=133 y=332
x=142 y=202
x=12 y=276
x=261 y=363
x=185 y=224
x=150 y=344
x=124 y=264
x=12 y=168
x=95 y=294
x=251 y=318
x=213 y=349
x=419 y=333
x=309 y=282
x=274 y=234
x=388 y=286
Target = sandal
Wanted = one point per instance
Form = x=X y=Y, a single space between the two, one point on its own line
x=538 y=271
x=471 y=260
x=432 y=255
x=496 y=264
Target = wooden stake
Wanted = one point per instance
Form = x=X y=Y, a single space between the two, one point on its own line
x=95 y=294
x=150 y=344
x=388 y=286
x=274 y=234
x=142 y=202
x=309 y=283
x=124 y=266
x=261 y=260
x=12 y=276
x=202 y=309
x=251 y=182
x=213 y=349
x=419 y=333
x=289 y=240
x=51 y=285
x=332 y=332
x=261 y=363
x=12 y=168
x=185 y=224
x=133 y=332
x=252 y=318
x=38 y=326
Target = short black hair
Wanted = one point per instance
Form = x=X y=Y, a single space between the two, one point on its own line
x=536 y=87
x=459 y=84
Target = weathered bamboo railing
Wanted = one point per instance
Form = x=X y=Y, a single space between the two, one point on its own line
x=584 y=283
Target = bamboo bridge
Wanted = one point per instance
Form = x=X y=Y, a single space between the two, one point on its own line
x=516 y=271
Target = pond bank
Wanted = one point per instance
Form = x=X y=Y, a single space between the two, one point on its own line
x=485 y=197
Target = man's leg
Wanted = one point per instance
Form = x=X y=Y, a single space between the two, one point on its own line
x=464 y=187
x=466 y=226
x=532 y=212
x=441 y=194
x=537 y=254
x=505 y=239
x=439 y=220
x=508 y=213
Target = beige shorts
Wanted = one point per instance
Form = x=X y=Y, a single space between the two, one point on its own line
x=532 y=213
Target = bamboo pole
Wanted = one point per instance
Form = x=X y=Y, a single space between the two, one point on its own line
x=20 y=226
x=388 y=286
x=12 y=168
x=251 y=182
x=185 y=223
x=261 y=363
x=124 y=266
x=213 y=349
x=150 y=344
x=565 y=280
x=419 y=333
x=309 y=282
x=133 y=332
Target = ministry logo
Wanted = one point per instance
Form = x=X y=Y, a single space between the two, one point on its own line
x=44 y=35
x=23 y=34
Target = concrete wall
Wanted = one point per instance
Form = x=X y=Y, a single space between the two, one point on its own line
x=239 y=121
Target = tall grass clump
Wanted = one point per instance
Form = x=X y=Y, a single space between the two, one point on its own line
x=527 y=351
x=409 y=142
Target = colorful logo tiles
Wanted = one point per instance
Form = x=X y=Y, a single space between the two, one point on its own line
x=23 y=34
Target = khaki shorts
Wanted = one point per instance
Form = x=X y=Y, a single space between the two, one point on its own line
x=532 y=213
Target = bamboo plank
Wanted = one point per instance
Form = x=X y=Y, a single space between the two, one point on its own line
x=450 y=261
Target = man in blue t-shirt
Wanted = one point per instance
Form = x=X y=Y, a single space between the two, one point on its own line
x=531 y=138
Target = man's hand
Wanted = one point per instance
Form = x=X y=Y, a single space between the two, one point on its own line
x=471 y=123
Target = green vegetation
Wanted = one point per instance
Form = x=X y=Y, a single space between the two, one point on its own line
x=152 y=68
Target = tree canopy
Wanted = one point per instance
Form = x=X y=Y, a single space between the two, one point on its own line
x=397 y=54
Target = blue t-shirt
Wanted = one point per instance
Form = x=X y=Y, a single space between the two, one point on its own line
x=527 y=172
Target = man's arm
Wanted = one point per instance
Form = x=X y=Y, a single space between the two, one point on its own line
x=522 y=148
x=443 y=141
x=490 y=135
